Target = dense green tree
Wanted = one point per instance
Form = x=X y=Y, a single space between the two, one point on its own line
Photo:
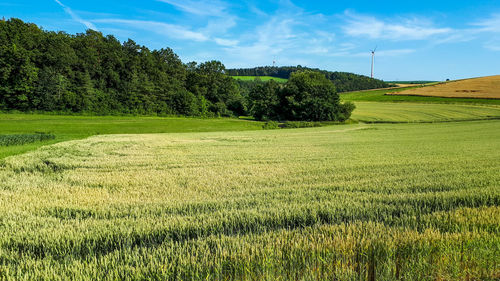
x=220 y=91
x=309 y=95
x=263 y=100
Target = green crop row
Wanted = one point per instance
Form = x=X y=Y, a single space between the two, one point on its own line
x=20 y=139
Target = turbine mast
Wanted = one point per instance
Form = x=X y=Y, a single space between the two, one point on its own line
x=373 y=59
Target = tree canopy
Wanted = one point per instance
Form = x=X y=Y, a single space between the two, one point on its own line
x=308 y=95
x=92 y=73
x=344 y=81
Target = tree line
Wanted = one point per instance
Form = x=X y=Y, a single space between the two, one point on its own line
x=91 y=73
x=88 y=72
x=344 y=81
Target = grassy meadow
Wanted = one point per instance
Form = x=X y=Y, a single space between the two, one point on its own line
x=66 y=128
x=352 y=202
x=262 y=78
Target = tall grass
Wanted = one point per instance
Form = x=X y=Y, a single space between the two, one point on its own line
x=354 y=202
x=20 y=139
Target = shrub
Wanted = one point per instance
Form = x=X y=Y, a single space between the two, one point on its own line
x=270 y=125
x=300 y=124
x=20 y=139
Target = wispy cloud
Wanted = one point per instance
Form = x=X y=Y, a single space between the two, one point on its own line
x=374 y=28
x=226 y=42
x=214 y=13
x=200 y=8
x=493 y=44
x=493 y=47
x=75 y=17
x=491 y=24
x=169 y=30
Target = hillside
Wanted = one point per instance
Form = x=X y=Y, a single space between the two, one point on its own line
x=261 y=78
x=483 y=88
x=344 y=81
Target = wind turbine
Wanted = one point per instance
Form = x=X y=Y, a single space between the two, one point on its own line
x=373 y=58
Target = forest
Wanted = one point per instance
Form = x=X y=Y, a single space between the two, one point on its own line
x=47 y=71
x=344 y=81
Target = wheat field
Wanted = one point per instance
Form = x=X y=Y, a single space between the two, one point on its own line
x=351 y=202
x=483 y=87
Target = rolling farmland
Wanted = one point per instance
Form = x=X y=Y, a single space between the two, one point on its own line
x=482 y=88
x=66 y=128
x=407 y=112
x=180 y=155
x=365 y=201
x=262 y=78
x=396 y=96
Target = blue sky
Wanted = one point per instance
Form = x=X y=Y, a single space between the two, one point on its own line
x=428 y=40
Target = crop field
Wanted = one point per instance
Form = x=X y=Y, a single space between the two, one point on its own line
x=352 y=202
x=396 y=95
x=262 y=78
x=65 y=128
x=403 y=112
x=484 y=88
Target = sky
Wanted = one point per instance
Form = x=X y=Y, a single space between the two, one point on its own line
x=424 y=40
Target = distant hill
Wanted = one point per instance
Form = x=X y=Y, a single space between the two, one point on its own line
x=261 y=78
x=416 y=82
x=344 y=81
x=483 y=88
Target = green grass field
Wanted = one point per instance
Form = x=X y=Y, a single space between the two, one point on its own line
x=76 y=127
x=262 y=78
x=353 y=202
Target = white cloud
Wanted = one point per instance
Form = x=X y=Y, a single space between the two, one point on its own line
x=373 y=28
x=491 y=24
x=200 y=8
x=75 y=17
x=226 y=42
x=169 y=30
x=493 y=44
x=219 y=25
x=493 y=47
x=218 y=20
